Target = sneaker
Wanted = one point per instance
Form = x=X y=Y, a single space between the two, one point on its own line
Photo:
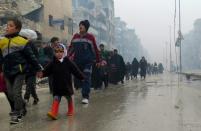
x=11 y=113
x=15 y=119
x=26 y=101
x=24 y=110
x=35 y=102
x=85 y=101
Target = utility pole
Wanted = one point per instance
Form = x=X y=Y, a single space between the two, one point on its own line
x=170 y=50
x=180 y=37
x=166 y=55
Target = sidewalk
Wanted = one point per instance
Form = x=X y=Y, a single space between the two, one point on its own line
x=192 y=73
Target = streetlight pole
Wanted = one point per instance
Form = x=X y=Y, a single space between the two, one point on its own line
x=170 y=51
x=166 y=55
x=180 y=36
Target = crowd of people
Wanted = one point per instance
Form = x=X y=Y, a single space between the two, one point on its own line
x=143 y=68
x=24 y=57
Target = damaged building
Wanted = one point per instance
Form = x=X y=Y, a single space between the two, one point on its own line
x=50 y=18
x=100 y=13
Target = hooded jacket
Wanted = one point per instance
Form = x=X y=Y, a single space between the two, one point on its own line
x=15 y=54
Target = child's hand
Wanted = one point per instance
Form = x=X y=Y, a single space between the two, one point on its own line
x=39 y=74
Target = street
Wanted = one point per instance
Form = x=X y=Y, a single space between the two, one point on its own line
x=159 y=103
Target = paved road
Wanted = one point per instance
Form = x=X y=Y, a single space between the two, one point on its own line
x=159 y=103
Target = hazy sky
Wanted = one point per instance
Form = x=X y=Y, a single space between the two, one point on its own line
x=152 y=19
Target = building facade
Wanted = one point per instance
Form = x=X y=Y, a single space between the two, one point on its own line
x=51 y=18
x=100 y=13
x=127 y=42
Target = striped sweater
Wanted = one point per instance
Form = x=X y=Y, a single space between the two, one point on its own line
x=83 y=49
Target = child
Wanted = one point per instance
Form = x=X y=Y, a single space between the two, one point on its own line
x=61 y=69
x=14 y=57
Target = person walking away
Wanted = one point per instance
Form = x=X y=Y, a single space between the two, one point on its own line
x=128 y=70
x=135 y=67
x=61 y=69
x=143 y=67
x=160 y=68
x=84 y=52
x=155 y=68
x=15 y=55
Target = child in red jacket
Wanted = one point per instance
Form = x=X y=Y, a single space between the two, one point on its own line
x=61 y=68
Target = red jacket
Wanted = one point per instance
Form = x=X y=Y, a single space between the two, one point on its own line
x=83 y=49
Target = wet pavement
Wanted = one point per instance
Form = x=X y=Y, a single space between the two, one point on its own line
x=159 y=103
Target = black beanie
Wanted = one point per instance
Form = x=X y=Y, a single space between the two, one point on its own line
x=85 y=23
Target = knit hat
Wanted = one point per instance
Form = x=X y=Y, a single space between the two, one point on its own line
x=85 y=23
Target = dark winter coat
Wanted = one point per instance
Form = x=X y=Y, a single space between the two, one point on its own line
x=15 y=55
x=61 y=73
x=143 y=67
x=118 y=68
x=135 y=67
x=30 y=68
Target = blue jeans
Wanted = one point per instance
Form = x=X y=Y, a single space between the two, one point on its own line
x=86 y=84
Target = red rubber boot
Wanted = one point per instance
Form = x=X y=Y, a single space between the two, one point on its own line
x=54 y=110
x=70 y=108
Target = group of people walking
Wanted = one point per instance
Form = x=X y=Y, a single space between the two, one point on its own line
x=155 y=68
x=135 y=68
x=22 y=60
